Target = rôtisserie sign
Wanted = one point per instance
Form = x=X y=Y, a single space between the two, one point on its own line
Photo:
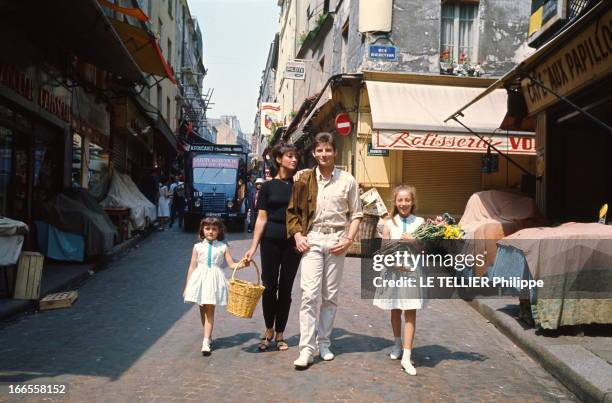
x=458 y=142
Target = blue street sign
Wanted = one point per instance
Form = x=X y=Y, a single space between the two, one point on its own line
x=382 y=52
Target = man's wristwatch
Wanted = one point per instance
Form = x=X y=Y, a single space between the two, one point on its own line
x=350 y=239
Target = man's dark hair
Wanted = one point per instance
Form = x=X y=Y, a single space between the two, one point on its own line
x=279 y=150
x=324 y=137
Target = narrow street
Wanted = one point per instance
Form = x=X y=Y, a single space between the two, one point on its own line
x=129 y=337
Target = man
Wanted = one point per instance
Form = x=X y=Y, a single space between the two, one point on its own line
x=324 y=202
x=252 y=204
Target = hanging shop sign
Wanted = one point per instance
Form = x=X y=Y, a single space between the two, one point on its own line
x=382 y=52
x=269 y=114
x=457 y=142
x=343 y=124
x=373 y=152
x=28 y=84
x=584 y=58
x=295 y=70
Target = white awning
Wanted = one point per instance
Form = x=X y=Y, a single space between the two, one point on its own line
x=411 y=116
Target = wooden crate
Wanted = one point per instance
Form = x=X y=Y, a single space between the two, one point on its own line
x=58 y=300
x=29 y=276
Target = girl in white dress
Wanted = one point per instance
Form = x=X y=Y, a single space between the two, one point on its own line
x=401 y=226
x=206 y=284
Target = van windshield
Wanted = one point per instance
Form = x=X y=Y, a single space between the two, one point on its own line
x=217 y=176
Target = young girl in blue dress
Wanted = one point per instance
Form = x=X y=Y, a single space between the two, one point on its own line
x=206 y=284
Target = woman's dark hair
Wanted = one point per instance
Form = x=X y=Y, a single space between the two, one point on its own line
x=279 y=150
x=213 y=222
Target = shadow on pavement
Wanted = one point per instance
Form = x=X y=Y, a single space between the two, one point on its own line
x=121 y=312
x=430 y=356
x=235 y=340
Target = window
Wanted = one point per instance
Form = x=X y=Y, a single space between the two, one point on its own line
x=458 y=32
x=169 y=52
x=99 y=160
x=344 y=54
x=77 y=160
x=6 y=163
x=168 y=109
x=159 y=98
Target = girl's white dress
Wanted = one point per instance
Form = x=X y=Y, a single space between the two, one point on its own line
x=207 y=283
x=396 y=297
x=163 y=204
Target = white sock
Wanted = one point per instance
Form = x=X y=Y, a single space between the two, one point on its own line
x=398 y=342
x=406 y=355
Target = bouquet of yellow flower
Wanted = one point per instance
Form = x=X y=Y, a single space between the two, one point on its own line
x=443 y=227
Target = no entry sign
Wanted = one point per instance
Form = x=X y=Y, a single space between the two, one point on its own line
x=343 y=124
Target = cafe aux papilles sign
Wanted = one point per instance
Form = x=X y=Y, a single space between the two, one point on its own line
x=584 y=58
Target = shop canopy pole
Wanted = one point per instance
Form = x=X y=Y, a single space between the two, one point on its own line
x=570 y=103
x=454 y=117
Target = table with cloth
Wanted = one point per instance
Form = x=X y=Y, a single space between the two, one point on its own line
x=574 y=260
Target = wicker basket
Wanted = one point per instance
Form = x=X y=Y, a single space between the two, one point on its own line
x=243 y=295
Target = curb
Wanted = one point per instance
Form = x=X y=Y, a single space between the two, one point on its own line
x=19 y=307
x=575 y=381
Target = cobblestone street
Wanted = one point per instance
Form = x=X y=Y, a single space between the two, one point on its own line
x=129 y=336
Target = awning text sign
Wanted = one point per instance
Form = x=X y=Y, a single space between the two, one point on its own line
x=586 y=57
x=209 y=162
x=457 y=142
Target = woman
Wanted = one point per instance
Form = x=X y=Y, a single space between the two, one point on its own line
x=163 y=206
x=279 y=257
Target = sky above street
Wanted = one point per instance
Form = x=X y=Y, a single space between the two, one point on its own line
x=237 y=35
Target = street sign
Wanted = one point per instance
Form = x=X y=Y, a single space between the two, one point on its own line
x=373 y=152
x=295 y=70
x=382 y=52
x=343 y=124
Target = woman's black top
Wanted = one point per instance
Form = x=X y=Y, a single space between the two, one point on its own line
x=274 y=197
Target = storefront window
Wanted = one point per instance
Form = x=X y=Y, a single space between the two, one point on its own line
x=77 y=156
x=46 y=168
x=6 y=149
x=99 y=160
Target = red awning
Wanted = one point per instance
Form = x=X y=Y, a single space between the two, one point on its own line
x=132 y=12
x=144 y=49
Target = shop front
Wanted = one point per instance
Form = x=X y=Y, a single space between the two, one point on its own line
x=90 y=141
x=399 y=136
x=565 y=86
x=34 y=141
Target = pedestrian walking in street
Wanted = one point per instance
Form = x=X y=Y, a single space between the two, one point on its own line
x=178 y=205
x=206 y=284
x=163 y=206
x=323 y=217
x=252 y=204
x=400 y=300
x=279 y=257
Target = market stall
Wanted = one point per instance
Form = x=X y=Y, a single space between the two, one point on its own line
x=574 y=262
x=78 y=214
x=493 y=214
x=124 y=193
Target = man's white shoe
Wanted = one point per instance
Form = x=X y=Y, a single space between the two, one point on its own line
x=303 y=361
x=206 y=347
x=326 y=353
x=408 y=367
x=396 y=353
